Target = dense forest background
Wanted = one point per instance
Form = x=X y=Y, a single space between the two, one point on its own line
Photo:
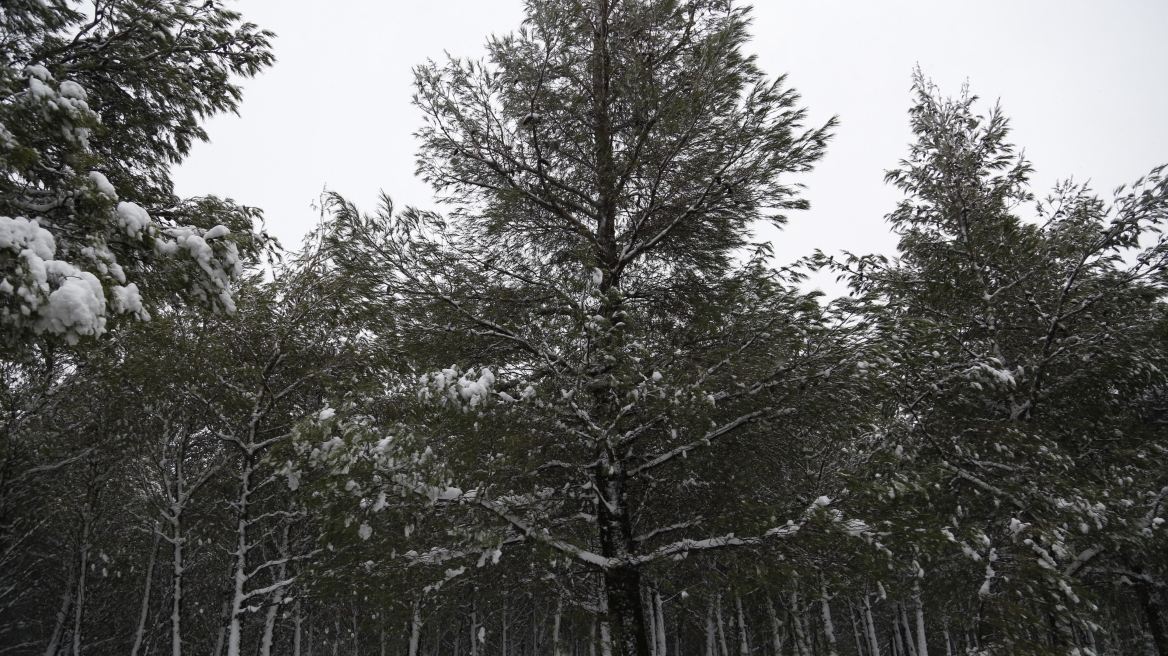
x=581 y=410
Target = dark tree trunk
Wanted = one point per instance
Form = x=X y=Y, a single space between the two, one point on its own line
x=625 y=612
x=1154 y=615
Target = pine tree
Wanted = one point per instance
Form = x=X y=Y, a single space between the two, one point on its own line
x=632 y=383
x=1020 y=358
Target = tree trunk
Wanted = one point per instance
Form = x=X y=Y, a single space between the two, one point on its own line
x=1154 y=616
x=776 y=627
x=873 y=641
x=415 y=628
x=743 y=638
x=909 y=646
x=239 y=576
x=623 y=589
x=176 y=581
x=898 y=648
x=79 y=600
x=224 y=616
x=474 y=631
x=797 y=621
x=922 y=641
x=557 y=647
x=277 y=597
x=711 y=630
x=63 y=613
x=297 y=620
x=828 y=627
x=659 y=613
x=855 y=629
x=140 y=632
x=724 y=649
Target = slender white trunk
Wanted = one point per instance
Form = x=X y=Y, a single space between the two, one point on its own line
x=828 y=627
x=415 y=628
x=897 y=648
x=711 y=630
x=776 y=627
x=948 y=643
x=659 y=612
x=176 y=582
x=725 y=650
x=605 y=639
x=654 y=639
x=557 y=648
x=474 y=632
x=79 y=600
x=140 y=632
x=743 y=641
x=873 y=642
x=239 y=576
x=800 y=631
x=63 y=613
x=910 y=648
x=224 y=615
x=297 y=620
x=270 y=619
x=855 y=629
x=922 y=642
x=277 y=597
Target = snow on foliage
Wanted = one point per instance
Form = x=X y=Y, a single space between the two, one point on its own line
x=454 y=388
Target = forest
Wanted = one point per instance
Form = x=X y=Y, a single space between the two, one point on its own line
x=581 y=411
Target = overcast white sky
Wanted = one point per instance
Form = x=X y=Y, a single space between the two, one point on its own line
x=1085 y=82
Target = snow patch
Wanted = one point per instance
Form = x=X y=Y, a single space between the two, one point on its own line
x=103 y=184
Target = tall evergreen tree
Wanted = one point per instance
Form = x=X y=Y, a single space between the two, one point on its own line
x=1020 y=358
x=654 y=377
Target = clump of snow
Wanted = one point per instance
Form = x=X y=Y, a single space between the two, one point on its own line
x=70 y=89
x=103 y=185
x=39 y=90
x=452 y=387
x=326 y=414
x=365 y=531
x=216 y=232
x=77 y=306
x=54 y=295
x=128 y=299
x=36 y=71
x=19 y=234
x=132 y=218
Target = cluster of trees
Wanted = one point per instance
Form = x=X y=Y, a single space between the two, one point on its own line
x=581 y=411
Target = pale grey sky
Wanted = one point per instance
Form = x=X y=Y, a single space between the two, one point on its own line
x=1086 y=84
